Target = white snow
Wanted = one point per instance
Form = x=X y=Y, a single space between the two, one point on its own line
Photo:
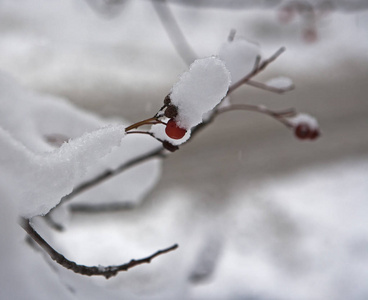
x=199 y=90
x=304 y=118
x=32 y=126
x=280 y=82
x=42 y=179
x=239 y=56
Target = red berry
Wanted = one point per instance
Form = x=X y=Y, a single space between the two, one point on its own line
x=314 y=134
x=310 y=35
x=302 y=131
x=174 y=131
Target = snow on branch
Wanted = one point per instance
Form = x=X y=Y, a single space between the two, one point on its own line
x=105 y=271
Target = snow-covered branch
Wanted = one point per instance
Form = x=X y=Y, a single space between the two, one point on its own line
x=105 y=271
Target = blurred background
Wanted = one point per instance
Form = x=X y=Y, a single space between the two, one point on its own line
x=257 y=213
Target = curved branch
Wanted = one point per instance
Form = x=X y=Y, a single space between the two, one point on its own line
x=107 y=272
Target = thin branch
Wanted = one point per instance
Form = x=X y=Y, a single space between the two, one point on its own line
x=148 y=121
x=52 y=223
x=158 y=152
x=257 y=69
x=174 y=32
x=101 y=208
x=231 y=35
x=140 y=132
x=266 y=87
x=107 y=271
x=278 y=115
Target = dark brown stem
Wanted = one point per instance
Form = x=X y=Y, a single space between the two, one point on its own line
x=140 y=132
x=149 y=121
x=107 y=271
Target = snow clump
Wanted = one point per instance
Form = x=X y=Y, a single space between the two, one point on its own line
x=199 y=90
x=304 y=119
x=48 y=147
x=43 y=179
x=280 y=82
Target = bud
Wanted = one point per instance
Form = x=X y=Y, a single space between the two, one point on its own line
x=171 y=111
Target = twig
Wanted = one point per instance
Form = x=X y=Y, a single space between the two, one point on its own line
x=266 y=87
x=231 y=35
x=257 y=69
x=101 y=208
x=159 y=152
x=278 y=115
x=174 y=32
x=149 y=121
x=107 y=271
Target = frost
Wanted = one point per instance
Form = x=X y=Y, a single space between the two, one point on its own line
x=304 y=118
x=280 y=82
x=239 y=56
x=199 y=90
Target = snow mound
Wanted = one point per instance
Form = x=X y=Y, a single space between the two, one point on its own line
x=280 y=82
x=39 y=166
x=43 y=179
x=305 y=119
x=199 y=90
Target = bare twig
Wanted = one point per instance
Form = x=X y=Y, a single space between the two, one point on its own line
x=259 y=66
x=278 y=115
x=107 y=271
x=101 y=208
x=266 y=87
x=52 y=223
x=174 y=32
x=149 y=121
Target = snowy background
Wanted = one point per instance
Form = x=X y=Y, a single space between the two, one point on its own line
x=257 y=214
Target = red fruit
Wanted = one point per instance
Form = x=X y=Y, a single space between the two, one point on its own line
x=314 y=134
x=174 y=131
x=302 y=131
